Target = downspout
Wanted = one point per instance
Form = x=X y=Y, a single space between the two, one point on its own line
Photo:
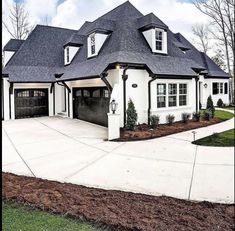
x=2 y=98
x=106 y=82
x=52 y=90
x=69 y=91
x=10 y=93
x=196 y=80
x=124 y=78
x=149 y=96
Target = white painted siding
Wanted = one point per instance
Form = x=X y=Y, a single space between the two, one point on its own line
x=7 y=56
x=205 y=92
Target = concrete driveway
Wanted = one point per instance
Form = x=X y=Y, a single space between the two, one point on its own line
x=74 y=151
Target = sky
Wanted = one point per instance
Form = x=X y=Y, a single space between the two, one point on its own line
x=179 y=15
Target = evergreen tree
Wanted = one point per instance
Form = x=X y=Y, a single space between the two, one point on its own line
x=131 y=115
x=210 y=106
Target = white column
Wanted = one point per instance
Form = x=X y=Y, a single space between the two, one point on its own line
x=113 y=126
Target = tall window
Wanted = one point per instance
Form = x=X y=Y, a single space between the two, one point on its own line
x=159 y=40
x=225 y=88
x=161 y=95
x=182 y=94
x=93 y=44
x=67 y=54
x=172 y=91
x=219 y=88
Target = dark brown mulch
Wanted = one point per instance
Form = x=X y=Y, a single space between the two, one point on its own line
x=143 y=132
x=122 y=210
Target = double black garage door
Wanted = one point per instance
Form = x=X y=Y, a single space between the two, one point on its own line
x=91 y=104
x=31 y=103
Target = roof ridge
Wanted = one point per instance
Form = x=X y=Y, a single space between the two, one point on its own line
x=56 y=27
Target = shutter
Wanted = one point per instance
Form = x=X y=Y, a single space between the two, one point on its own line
x=215 y=89
x=225 y=88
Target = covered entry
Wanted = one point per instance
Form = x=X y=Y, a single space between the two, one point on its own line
x=31 y=103
x=91 y=104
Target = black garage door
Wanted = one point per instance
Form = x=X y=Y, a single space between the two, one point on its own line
x=91 y=104
x=31 y=103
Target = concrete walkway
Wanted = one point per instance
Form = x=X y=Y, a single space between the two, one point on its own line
x=73 y=151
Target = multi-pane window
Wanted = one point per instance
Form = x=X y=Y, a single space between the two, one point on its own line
x=92 y=44
x=161 y=95
x=96 y=93
x=158 y=40
x=219 y=88
x=86 y=93
x=79 y=92
x=23 y=94
x=175 y=94
x=172 y=94
x=67 y=54
x=182 y=94
x=39 y=93
x=225 y=88
x=106 y=94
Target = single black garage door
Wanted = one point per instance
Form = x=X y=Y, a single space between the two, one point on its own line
x=91 y=104
x=31 y=103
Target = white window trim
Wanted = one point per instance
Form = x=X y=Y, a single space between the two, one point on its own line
x=164 y=41
x=177 y=98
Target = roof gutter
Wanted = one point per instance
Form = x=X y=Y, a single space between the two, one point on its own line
x=154 y=77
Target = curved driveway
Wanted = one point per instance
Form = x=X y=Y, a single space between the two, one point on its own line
x=73 y=151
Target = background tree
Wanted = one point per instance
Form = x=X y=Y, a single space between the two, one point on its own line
x=18 y=26
x=221 y=14
x=202 y=33
x=219 y=58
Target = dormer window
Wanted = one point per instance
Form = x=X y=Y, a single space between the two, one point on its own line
x=94 y=43
x=158 y=40
x=69 y=53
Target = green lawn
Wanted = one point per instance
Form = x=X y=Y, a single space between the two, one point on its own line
x=17 y=217
x=223 y=115
x=224 y=139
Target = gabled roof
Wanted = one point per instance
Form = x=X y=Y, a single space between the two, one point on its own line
x=213 y=70
x=13 y=45
x=150 y=20
x=39 y=56
x=43 y=50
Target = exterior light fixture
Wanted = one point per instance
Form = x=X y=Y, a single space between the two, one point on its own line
x=117 y=66
x=205 y=85
x=113 y=106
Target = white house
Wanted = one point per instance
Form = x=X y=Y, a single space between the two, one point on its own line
x=121 y=55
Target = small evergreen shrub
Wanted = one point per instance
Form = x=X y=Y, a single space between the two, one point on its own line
x=185 y=117
x=170 y=119
x=210 y=106
x=220 y=103
x=154 y=120
x=197 y=116
x=207 y=115
x=131 y=115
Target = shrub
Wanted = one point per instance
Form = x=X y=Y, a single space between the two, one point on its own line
x=154 y=120
x=220 y=103
x=185 y=117
x=207 y=115
x=197 y=116
x=170 y=119
x=131 y=115
x=210 y=106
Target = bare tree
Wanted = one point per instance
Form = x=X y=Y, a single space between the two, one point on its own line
x=18 y=27
x=201 y=32
x=221 y=13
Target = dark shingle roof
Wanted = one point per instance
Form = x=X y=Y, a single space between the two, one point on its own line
x=76 y=40
x=150 y=20
x=41 y=55
x=13 y=45
x=201 y=58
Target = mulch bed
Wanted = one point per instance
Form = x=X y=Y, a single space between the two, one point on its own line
x=119 y=210
x=143 y=132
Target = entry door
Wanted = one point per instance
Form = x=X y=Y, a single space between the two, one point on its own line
x=91 y=104
x=31 y=103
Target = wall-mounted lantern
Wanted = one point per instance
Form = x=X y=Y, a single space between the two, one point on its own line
x=205 y=85
x=113 y=106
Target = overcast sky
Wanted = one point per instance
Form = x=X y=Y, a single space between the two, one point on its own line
x=179 y=15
